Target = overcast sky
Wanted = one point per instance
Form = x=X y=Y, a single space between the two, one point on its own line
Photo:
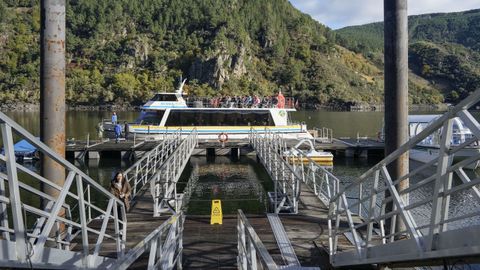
x=339 y=13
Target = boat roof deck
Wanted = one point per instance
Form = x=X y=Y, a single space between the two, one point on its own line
x=220 y=104
x=216 y=109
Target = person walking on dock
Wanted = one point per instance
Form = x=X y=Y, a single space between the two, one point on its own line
x=121 y=189
x=118 y=132
x=114 y=118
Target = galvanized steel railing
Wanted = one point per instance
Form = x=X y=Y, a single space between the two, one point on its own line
x=251 y=251
x=270 y=150
x=35 y=236
x=165 y=246
x=419 y=222
x=161 y=168
x=324 y=135
x=252 y=254
x=163 y=184
x=142 y=171
x=322 y=182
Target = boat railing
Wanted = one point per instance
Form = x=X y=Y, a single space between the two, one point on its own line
x=323 y=135
x=418 y=221
x=209 y=102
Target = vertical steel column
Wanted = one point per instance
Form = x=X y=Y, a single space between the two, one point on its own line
x=396 y=87
x=52 y=88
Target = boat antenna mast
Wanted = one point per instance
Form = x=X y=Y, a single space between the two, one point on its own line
x=180 y=89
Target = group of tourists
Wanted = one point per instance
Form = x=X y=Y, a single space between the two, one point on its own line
x=248 y=101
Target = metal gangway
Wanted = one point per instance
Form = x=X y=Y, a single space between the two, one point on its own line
x=270 y=150
x=38 y=230
x=419 y=223
x=161 y=169
x=290 y=167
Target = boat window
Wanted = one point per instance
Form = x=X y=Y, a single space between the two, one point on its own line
x=151 y=118
x=164 y=97
x=219 y=118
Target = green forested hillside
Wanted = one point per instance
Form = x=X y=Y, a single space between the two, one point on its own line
x=444 y=49
x=123 y=51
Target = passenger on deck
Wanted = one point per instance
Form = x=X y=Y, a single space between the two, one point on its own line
x=280 y=100
x=256 y=101
x=121 y=189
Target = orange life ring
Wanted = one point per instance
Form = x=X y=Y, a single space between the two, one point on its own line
x=223 y=137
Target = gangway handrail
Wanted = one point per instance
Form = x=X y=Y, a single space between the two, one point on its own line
x=250 y=247
x=163 y=183
x=328 y=184
x=160 y=169
x=139 y=173
x=165 y=246
x=270 y=148
x=252 y=253
x=53 y=226
x=398 y=225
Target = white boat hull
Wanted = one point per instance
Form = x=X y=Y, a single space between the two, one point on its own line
x=425 y=155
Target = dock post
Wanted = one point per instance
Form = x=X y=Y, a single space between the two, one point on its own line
x=396 y=87
x=52 y=89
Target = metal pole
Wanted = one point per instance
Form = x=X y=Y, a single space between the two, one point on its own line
x=396 y=86
x=52 y=88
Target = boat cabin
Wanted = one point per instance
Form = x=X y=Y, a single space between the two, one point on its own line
x=417 y=123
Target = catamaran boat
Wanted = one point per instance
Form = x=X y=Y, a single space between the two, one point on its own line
x=428 y=149
x=170 y=112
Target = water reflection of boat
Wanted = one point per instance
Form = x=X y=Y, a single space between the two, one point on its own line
x=429 y=148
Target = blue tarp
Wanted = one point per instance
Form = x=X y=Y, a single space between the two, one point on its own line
x=23 y=148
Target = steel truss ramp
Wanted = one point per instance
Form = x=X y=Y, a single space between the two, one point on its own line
x=270 y=148
x=163 y=184
x=160 y=169
x=42 y=237
x=419 y=224
x=69 y=232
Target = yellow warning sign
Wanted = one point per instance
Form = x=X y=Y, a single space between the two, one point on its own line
x=216 y=217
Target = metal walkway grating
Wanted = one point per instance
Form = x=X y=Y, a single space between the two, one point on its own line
x=286 y=248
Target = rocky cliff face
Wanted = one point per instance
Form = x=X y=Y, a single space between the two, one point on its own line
x=220 y=68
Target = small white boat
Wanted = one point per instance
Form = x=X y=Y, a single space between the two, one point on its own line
x=169 y=112
x=429 y=148
x=320 y=157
